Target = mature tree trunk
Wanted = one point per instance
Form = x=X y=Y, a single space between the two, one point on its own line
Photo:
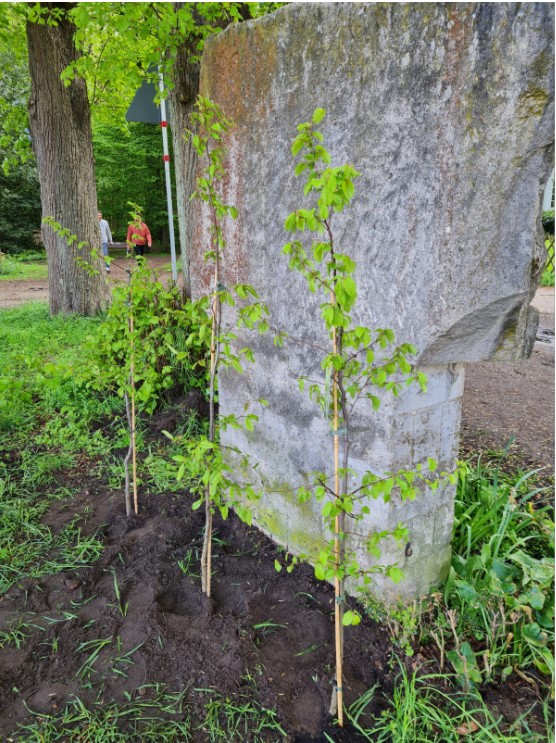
x=60 y=124
x=181 y=101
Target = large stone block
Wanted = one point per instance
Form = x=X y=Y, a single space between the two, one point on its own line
x=447 y=112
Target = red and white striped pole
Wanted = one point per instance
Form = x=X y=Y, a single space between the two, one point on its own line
x=166 y=158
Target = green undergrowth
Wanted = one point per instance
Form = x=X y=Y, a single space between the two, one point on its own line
x=425 y=709
x=501 y=584
x=493 y=621
x=547 y=278
x=24 y=266
x=58 y=426
x=159 y=341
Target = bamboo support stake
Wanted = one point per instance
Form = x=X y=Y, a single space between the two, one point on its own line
x=134 y=453
x=128 y=505
x=337 y=586
x=206 y=557
x=132 y=421
x=337 y=701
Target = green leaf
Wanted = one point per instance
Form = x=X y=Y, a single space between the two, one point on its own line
x=347 y=618
x=394 y=573
x=297 y=146
x=277 y=566
x=319 y=115
x=351 y=618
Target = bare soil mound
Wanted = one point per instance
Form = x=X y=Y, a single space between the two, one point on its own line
x=263 y=635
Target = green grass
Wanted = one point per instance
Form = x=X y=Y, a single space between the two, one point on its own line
x=423 y=710
x=157 y=717
x=41 y=357
x=492 y=623
x=45 y=422
x=547 y=278
x=18 y=267
x=29 y=548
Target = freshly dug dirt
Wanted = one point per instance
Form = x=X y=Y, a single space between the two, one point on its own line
x=263 y=635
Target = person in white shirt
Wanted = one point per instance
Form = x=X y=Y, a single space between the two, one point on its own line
x=105 y=238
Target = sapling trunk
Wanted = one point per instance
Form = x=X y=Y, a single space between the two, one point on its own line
x=341 y=518
x=339 y=405
x=212 y=125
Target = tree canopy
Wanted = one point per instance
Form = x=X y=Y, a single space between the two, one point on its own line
x=119 y=46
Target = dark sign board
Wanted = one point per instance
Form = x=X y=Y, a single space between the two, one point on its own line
x=143 y=108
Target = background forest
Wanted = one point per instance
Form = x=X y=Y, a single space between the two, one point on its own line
x=129 y=167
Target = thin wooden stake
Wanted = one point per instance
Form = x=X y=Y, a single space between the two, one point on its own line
x=127 y=458
x=206 y=557
x=132 y=380
x=132 y=416
x=338 y=608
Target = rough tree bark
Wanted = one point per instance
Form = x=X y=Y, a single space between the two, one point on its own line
x=181 y=101
x=60 y=124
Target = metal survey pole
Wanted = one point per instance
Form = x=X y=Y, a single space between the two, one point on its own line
x=166 y=158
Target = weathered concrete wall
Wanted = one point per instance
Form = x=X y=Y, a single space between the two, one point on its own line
x=447 y=111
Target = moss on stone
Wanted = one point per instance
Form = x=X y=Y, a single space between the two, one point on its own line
x=533 y=102
x=307 y=543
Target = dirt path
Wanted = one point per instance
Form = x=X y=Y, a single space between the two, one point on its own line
x=505 y=400
x=16 y=291
x=501 y=400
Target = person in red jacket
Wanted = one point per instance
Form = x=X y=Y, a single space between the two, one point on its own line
x=138 y=236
